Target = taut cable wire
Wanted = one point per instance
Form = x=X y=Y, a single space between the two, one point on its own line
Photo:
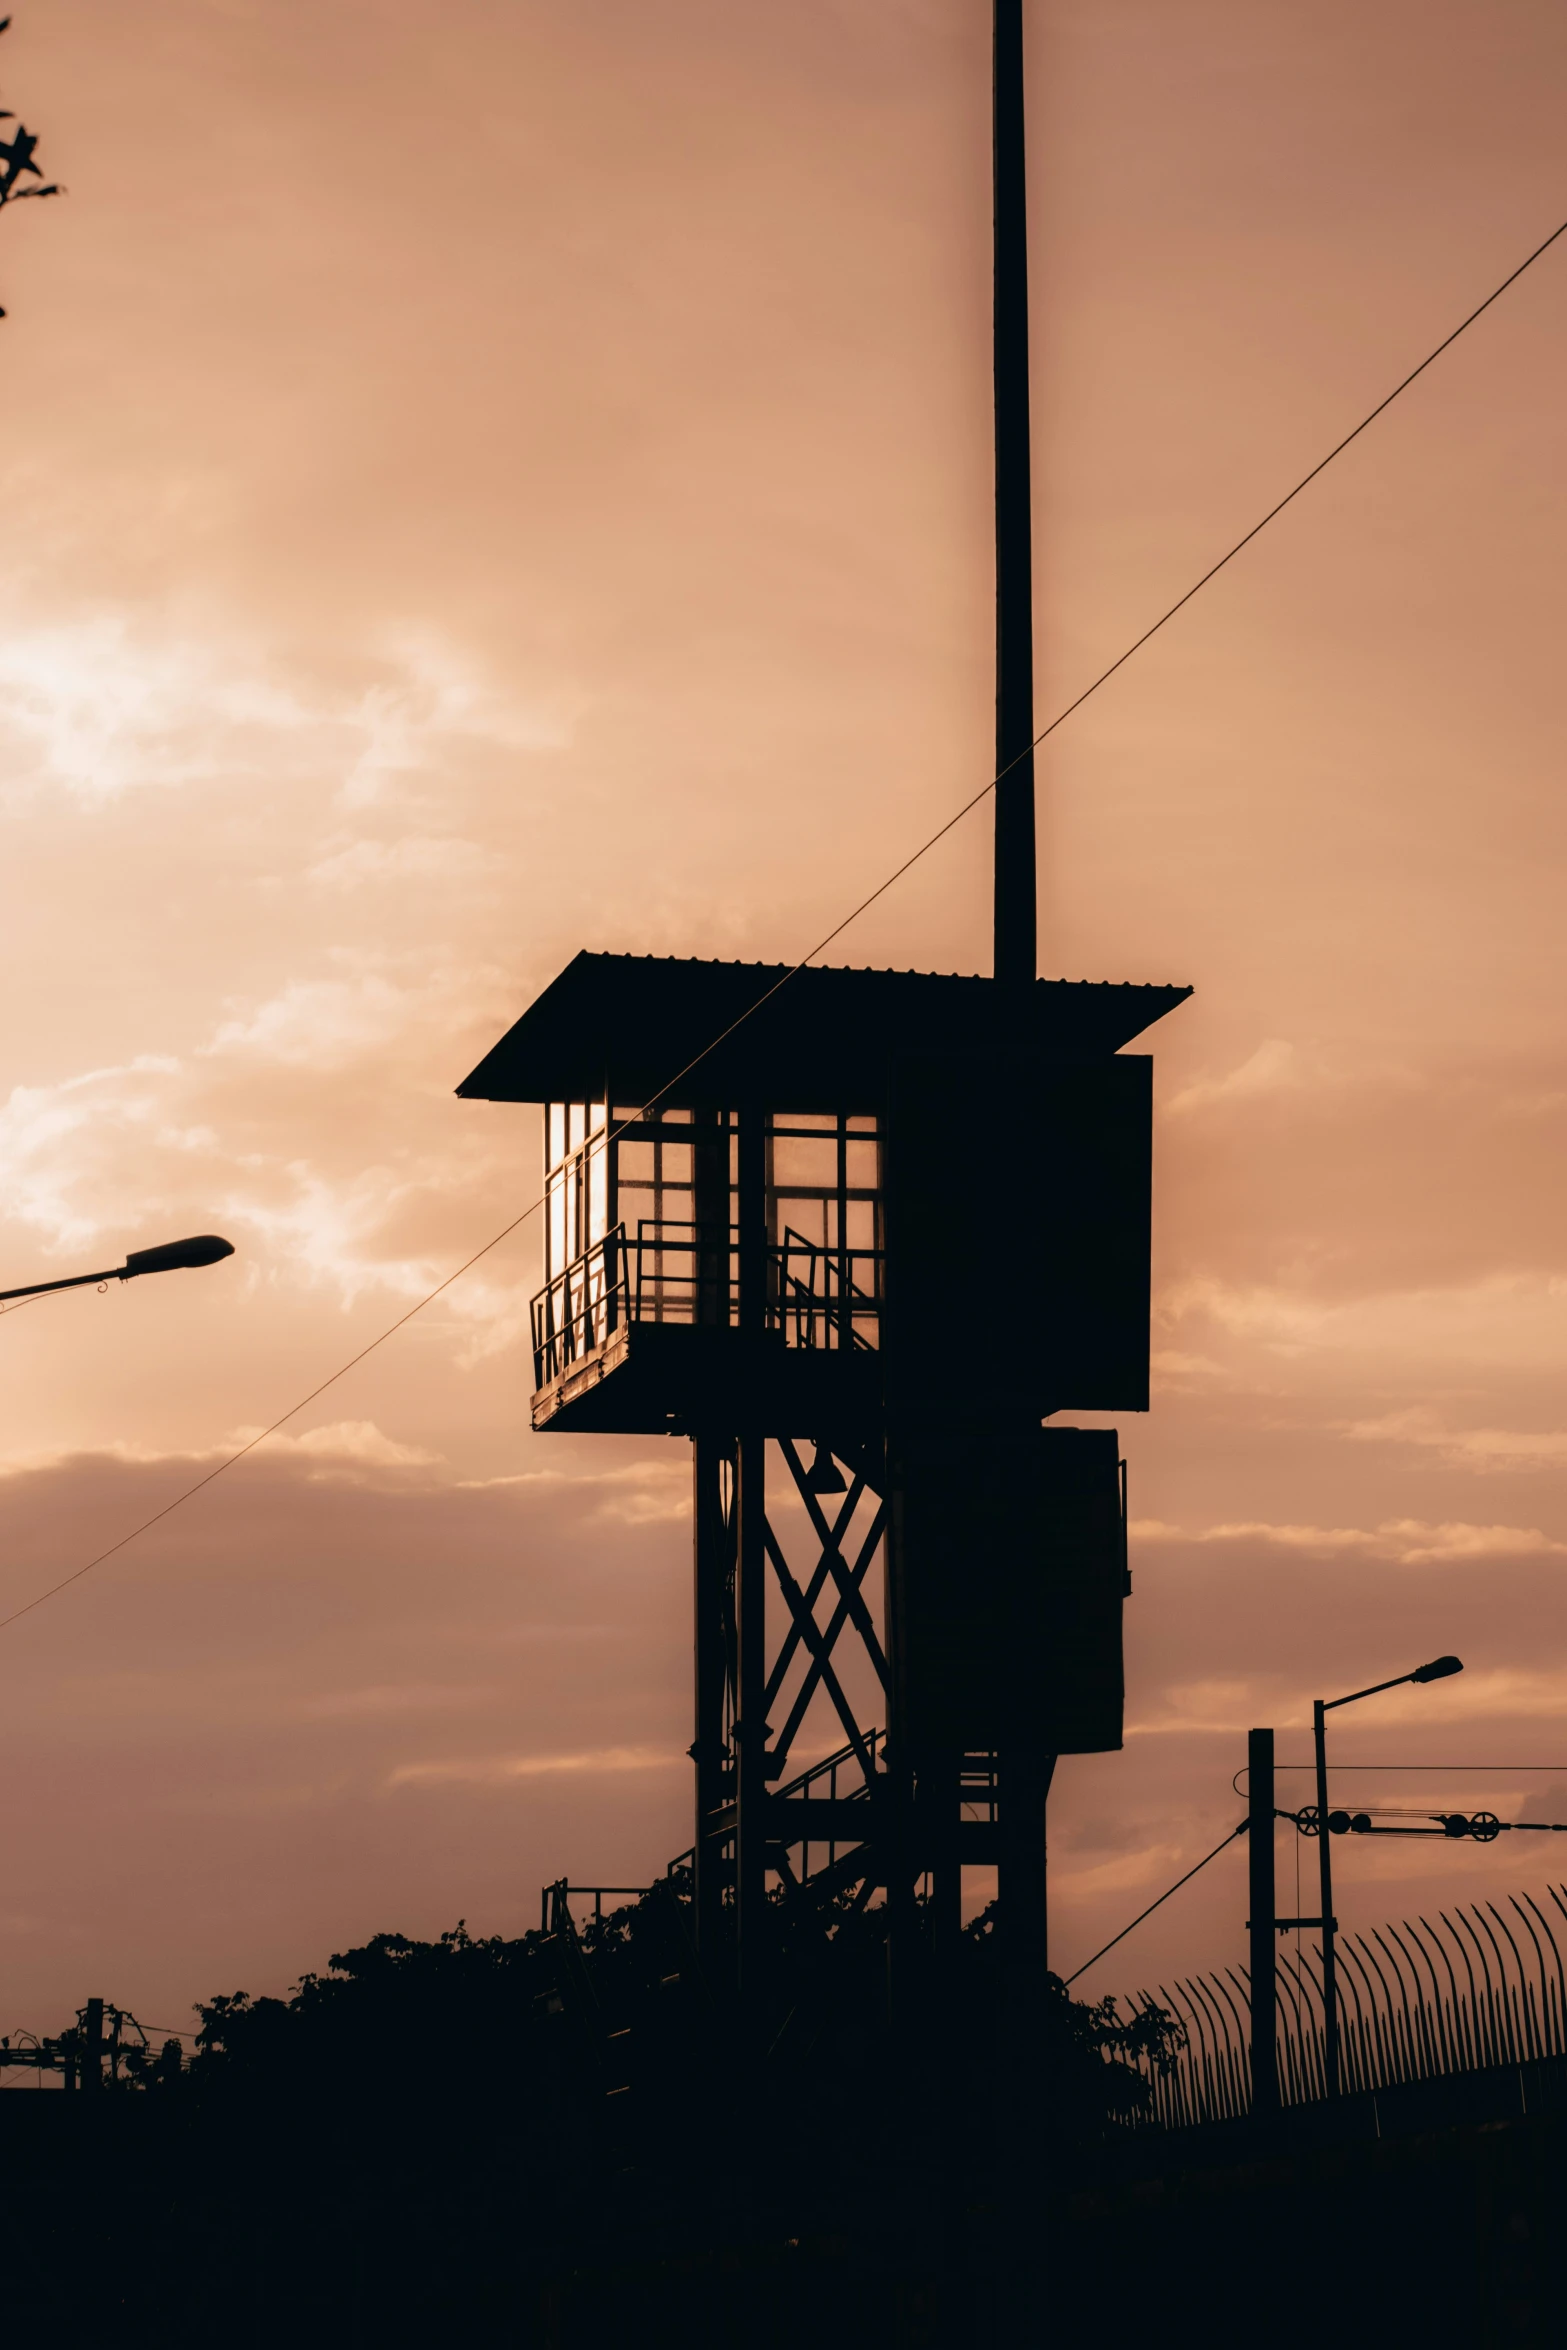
x=1153 y=1905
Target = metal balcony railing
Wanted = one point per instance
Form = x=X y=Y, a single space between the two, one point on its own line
x=683 y=1272
x=824 y=1297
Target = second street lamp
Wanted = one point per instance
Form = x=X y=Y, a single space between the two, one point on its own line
x=1438 y=1670
x=170 y=1256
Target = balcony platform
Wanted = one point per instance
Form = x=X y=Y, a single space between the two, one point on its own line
x=670 y=1378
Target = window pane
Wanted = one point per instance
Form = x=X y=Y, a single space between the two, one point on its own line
x=636 y=1161
x=862 y=1167
x=598 y=1194
x=804 y=1219
x=575 y=1130
x=557 y=1134
x=860 y=1224
x=801 y=1162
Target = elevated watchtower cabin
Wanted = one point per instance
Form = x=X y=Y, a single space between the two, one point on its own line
x=861 y=1246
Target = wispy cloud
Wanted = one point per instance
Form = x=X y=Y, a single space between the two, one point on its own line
x=1512 y=1322
x=356 y=1444
x=319 y=1023
x=1485 y=1450
x=96 y=708
x=358 y=1441
x=640 y=1493
x=48 y=1133
x=494 y=1770
x=1276 y=1066
x=1408 y=1541
x=423 y=857
x=1227 y=1708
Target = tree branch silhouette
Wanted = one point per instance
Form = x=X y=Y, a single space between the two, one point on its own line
x=16 y=161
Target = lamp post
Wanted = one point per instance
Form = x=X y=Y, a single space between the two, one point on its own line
x=171 y=1256
x=1438 y=1670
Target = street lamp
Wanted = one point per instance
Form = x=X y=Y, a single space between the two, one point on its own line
x=171 y=1256
x=1438 y=1670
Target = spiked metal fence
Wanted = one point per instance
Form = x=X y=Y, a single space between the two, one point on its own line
x=1422 y=2000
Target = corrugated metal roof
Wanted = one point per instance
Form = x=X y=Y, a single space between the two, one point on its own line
x=718 y=1033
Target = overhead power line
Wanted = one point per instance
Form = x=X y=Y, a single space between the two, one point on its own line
x=232 y=1460
x=1449 y=1770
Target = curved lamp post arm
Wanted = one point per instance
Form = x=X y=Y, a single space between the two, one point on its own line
x=1437 y=1670
x=169 y=1257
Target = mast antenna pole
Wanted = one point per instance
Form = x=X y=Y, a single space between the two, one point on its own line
x=1016 y=940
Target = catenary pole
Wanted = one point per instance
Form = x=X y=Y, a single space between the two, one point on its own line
x=1016 y=946
x=1025 y=1772
x=1319 y=1738
x=1264 y=2047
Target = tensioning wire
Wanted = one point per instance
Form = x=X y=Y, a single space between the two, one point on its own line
x=1069 y=1980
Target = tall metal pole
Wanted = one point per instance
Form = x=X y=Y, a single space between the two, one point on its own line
x=1325 y=1879
x=1016 y=946
x=1264 y=1989
x=1025 y=1772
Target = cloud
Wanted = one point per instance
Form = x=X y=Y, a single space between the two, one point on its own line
x=1485 y=1450
x=1202 y=1707
x=1174 y=1371
x=1507 y=1322
x=102 y=713
x=358 y=1441
x=1124 y=1872
x=349 y=1443
x=318 y=1023
x=96 y=709
x=423 y=857
x=1227 y=1708
x=437 y=697
x=46 y=1132
x=1408 y=1541
x=288 y=1131
x=115 y=1156
x=642 y=1493
x=1275 y=1067
x=495 y=1770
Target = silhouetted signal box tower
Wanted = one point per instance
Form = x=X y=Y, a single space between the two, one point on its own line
x=859 y=1252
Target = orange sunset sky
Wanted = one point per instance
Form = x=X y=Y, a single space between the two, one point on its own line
x=485 y=479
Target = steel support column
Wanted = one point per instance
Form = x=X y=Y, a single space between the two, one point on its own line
x=939 y=1800
x=1025 y=1776
x=1264 y=1960
x=713 y=1475
x=750 y=1728
x=1325 y=1882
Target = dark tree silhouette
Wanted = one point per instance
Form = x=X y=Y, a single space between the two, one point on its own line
x=17 y=167
x=431 y=2139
